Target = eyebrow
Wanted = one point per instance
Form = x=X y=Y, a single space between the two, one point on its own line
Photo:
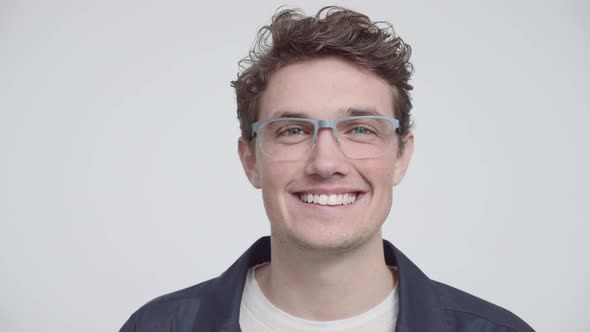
x=289 y=114
x=355 y=111
x=351 y=111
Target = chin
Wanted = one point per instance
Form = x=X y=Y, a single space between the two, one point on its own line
x=328 y=242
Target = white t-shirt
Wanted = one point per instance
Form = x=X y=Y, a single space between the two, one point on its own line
x=257 y=314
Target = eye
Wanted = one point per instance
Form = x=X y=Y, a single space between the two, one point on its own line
x=361 y=131
x=292 y=131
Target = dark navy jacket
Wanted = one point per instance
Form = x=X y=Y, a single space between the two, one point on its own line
x=424 y=305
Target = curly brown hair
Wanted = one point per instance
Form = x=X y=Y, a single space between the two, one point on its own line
x=333 y=31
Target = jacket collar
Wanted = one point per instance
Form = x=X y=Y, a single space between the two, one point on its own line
x=419 y=307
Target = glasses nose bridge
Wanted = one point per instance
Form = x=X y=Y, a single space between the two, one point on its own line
x=326 y=124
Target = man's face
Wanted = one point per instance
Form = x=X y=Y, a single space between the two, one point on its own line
x=325 y=88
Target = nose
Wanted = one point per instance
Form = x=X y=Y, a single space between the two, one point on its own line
x=326 y=159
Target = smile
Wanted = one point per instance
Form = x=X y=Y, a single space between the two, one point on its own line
x=328 y=199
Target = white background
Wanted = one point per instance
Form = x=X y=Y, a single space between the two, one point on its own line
x=115 y=187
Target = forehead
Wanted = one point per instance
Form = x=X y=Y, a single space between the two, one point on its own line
x=325 y=88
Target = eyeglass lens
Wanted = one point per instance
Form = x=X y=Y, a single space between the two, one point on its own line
x=359 y=138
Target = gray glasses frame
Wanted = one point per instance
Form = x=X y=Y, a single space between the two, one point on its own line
x=332 y=124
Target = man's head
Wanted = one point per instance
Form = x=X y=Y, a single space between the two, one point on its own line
x=326 y=68
x=333 y=31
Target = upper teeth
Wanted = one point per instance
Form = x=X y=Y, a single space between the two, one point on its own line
x=331 y=199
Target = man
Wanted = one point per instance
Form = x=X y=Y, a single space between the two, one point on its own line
x=324 y=110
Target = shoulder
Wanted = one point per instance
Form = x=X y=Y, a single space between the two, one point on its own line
x=167 y=311
x=465 y=312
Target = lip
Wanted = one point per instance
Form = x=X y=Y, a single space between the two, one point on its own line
x=328 y=191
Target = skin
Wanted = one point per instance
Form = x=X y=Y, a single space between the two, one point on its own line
x=315 y=249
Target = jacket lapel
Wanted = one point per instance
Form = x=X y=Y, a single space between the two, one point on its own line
x=419 y=307
x=221 y=305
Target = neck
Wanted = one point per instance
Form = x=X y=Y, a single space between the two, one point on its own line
x=326 y=287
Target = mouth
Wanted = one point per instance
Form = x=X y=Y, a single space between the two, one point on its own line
x=329 y=199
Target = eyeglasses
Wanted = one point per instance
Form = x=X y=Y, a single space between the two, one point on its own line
x=359 y=137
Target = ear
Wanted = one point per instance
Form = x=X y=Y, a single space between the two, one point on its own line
x=403 y=160
x=248 y=159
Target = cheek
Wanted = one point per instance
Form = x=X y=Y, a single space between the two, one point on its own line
x=275 y=176
x=389 y=174
x=389 y=170
x=379 y=172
